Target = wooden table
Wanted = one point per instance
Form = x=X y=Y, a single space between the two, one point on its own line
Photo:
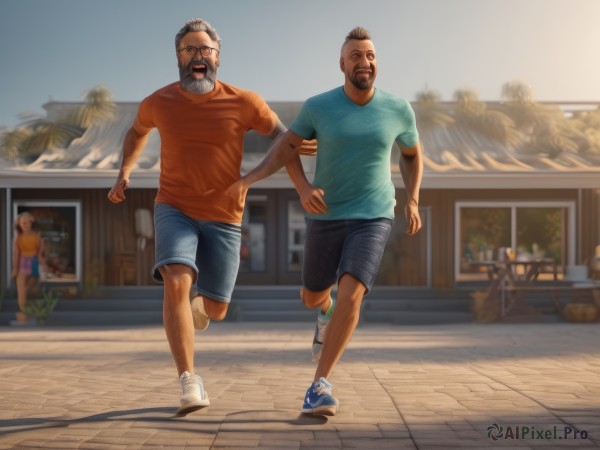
x=507 y=282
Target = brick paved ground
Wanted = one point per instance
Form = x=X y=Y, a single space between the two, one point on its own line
x=424 y=387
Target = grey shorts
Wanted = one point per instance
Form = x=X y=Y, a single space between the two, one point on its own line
x=335 y=247
x=211 y=249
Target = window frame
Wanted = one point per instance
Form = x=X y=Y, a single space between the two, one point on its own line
x=76 y=204
x=569 y=205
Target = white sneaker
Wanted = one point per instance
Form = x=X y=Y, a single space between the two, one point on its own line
x=193 y=396
x=318 y=339
x=319 y=336
x=201 y=320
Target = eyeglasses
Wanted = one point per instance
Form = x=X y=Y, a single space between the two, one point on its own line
x=191 y=50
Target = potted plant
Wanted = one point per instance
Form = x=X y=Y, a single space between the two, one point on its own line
x=42 y=307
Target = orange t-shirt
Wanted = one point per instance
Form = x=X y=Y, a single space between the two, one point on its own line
x=202 y=137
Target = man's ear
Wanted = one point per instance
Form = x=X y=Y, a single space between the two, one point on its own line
x=341 y=63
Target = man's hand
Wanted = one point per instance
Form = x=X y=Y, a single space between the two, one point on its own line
x=312 y=200
x=308 y=148
x=117 y=193
x=413 y=219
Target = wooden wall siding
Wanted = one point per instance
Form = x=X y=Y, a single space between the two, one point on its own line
x=589 y=224
x=441 y=203
x=109 y=229
x=5 y=247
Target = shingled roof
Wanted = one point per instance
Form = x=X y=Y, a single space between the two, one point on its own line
x=451 y=153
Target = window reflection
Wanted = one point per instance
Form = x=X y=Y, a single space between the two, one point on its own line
x=531 y=232
x=296 y=232
x=254 y=224
x=59 y=225
x=482 y=232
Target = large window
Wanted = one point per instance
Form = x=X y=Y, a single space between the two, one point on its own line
x=253 y=252
x=530 y=230
x=296 y=227
x=60 y=226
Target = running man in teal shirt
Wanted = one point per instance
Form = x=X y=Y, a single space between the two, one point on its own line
x=350 y=203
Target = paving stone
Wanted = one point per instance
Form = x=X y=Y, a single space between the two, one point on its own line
x=428 y=387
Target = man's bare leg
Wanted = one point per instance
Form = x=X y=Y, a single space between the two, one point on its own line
x=342 y=324
x=177 y=318
x=177 y=315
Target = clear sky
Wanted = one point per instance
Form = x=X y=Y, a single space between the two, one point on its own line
x=289 y=49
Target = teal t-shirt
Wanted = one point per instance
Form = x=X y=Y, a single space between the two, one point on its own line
x=354 y=151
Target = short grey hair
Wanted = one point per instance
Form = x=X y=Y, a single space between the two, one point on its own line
x=198 y=25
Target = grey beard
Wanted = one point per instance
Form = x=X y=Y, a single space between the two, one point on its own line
x=190 y=84
x=202 y=86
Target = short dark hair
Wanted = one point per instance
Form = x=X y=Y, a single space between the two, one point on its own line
x=198 y=25
x=359 y=34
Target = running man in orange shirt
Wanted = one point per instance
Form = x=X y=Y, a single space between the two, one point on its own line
x=200 y=200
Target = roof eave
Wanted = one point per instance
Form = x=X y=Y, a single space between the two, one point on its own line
x=148 y=179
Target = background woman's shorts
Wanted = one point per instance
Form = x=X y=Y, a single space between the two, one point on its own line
x=28 y=265
x=211 y=249
x=335 y=247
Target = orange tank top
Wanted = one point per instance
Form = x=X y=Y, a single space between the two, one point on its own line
x=28 y=244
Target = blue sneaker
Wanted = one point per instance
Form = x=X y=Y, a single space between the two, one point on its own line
x=319 y=400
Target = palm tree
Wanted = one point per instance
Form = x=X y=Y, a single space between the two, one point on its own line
x=36 y=134
x=11 y=141
x=545 y=129
x=98 y=107
x=475 y=115
x=588 y=125
x=430 y=112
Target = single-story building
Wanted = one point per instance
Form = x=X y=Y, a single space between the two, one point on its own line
x=478 y=195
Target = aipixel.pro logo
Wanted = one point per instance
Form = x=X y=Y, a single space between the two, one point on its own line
x=498 y=432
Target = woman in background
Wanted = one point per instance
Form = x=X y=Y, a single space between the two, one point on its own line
x=28 y=251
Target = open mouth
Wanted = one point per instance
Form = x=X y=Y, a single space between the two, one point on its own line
x=199 y=69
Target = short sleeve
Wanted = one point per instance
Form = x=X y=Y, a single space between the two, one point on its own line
x=264 y=119
x=303 y=125
x=409 y=137
x=144 y=120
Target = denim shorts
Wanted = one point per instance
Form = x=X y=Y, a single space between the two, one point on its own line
x=335 y=247
x=211 y=249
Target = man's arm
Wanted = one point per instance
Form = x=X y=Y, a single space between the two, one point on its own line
x=133 y=146
x=280 y=151
x=311 y=197
x=284 y=146
x=411 y=169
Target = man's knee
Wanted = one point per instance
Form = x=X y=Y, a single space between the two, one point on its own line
x=215 y=309
x=313 y=299
x=177 y=275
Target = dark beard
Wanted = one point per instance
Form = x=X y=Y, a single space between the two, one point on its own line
x=362 y=85
x=190 y=84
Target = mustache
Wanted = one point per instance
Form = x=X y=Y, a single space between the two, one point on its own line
x=197 y=62
x=359 y=69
